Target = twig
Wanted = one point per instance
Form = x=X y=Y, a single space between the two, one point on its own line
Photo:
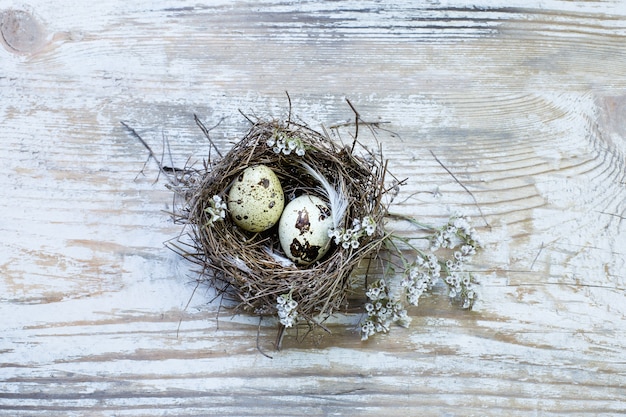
x=536 y=257
x=362 y=122
x=464 y=187
x=279 y=336
x=246 y=116
x=166 y=145
x=613 y=214
x=289 y=100
x=206 y=132
x=258 y=345
x=151 y=153
x=186 y=306
x=359 y=121
x=357 y=118
x=162 y=168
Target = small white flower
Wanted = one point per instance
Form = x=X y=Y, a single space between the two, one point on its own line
x=403 y=319
x=373 y=293
x=382 y=311
x=350 y=238
x=416 y=281
x=468 y=250
x=367 y=329
x=369 y=225
x=286 y=308
x=216 y=210
x=282 y=142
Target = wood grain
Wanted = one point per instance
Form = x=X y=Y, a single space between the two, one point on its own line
x=525 y=105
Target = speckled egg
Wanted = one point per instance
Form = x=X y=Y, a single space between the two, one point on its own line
x=303 y=229
x=255 y=199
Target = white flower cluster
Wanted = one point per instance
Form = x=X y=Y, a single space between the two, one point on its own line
x=349 y=238
x=459 y=281
x=382 y=311
x=459 y=242
x=459 y=236
x=457 y=231
x=216 y=210
x=420 y=277
x=284 y=143
x=287 y=312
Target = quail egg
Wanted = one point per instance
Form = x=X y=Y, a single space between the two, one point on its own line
x=255 y=199
x=303 y=229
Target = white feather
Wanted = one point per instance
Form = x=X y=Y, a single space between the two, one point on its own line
x=335 y=195
x=284 y=262
x=240 y=264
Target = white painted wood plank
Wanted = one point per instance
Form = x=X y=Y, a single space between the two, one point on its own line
x=523 y=104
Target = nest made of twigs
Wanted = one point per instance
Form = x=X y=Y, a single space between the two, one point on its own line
x=250 y=267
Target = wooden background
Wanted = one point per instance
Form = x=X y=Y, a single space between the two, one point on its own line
x=526 y=105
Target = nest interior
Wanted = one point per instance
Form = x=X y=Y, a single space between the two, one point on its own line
x=247 y=266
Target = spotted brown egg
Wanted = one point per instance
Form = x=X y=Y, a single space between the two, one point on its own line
x=255 y=199
x=303 y=229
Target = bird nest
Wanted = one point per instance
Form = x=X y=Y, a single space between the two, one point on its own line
x=251 y=267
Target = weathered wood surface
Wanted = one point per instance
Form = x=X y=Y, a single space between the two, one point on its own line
x=526 y=105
